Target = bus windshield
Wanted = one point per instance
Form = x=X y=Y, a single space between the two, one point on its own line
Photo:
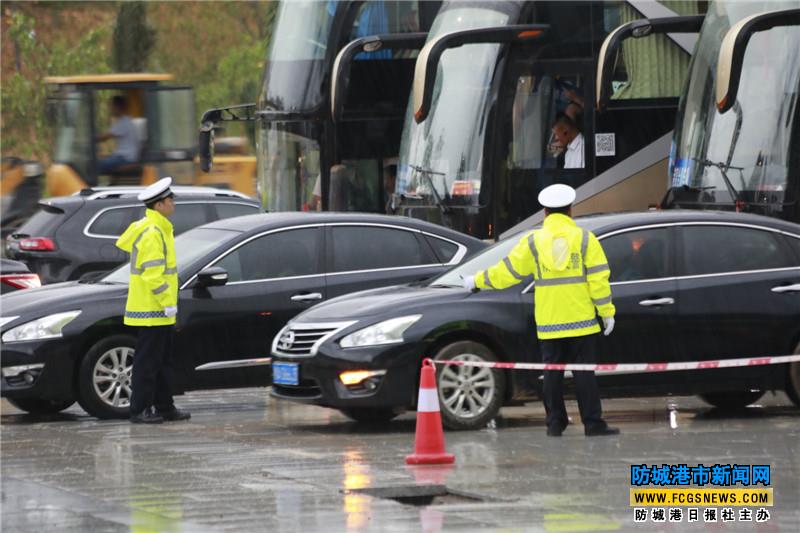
x=295 y=62
x=440 y=159
x=740 y=156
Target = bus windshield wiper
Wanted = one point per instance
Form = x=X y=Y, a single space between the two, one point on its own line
x=722 y=168
x=427 y=173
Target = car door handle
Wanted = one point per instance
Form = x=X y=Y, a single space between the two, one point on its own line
x=657 y=301
x=310 y=297
x=787 y=288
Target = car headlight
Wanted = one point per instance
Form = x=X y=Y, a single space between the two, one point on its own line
x=386 y=332
x=47 y=327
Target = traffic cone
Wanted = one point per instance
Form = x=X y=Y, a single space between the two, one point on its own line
x=429 y=441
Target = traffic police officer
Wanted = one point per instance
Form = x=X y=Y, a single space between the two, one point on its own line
x=152 y=305
x=571 y=273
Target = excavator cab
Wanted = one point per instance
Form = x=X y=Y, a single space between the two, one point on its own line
x=164 y=120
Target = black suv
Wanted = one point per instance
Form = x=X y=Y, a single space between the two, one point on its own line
x=72 y=237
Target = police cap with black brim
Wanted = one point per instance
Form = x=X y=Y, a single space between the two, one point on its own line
x=157 y=191
x=556 y=196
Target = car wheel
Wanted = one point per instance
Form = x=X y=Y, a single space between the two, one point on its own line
x=732 y=400
x=469 y=397
x=38 y=406
x=369 y=415
x=104 y=377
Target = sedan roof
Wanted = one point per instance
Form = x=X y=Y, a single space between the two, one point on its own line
x=263 y=221
x=610 y=222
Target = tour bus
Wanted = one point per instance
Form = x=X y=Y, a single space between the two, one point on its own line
x=493 y=84
x=306 y=159
x=736 y=144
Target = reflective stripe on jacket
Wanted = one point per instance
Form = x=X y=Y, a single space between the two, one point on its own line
x=571 y=272
x=154 y=273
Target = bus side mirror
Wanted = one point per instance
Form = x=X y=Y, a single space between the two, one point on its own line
x=206 y=146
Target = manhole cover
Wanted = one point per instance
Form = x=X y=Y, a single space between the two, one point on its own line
x=421 y=495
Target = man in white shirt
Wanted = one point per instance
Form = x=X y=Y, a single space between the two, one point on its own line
x=568 y=134
x=124 y=132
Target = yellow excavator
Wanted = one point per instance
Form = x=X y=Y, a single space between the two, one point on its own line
x=166 y=125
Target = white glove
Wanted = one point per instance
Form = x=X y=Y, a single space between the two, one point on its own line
x=170 y=311
x=609 y=325
x=469 y=283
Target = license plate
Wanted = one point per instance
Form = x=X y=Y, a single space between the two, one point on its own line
x=285 y=373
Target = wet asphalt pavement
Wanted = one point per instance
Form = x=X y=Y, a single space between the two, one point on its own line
x=245 y=462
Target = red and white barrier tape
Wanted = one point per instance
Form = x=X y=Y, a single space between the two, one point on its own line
x=633 y=367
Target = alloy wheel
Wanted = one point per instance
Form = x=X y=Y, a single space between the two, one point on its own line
x=466 y=392
x=111 y=377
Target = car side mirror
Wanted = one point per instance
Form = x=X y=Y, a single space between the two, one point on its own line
x=206 y=146
x=212 y=277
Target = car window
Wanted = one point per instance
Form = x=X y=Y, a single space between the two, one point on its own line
x=794 y=244
x=188 y=216
x=277 y=255
x=714 y=249
x=235 y=210
x=369 y=247
x=444 y=250
x=43 y=221
x=638 y=255
x=113 y=222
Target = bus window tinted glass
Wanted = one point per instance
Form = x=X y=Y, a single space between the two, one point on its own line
x=278 y=255
x=710 y=250
x=388 y=248
x=638 y=255
x=648 y=67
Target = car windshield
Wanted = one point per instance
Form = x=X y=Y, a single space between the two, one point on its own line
x=482 y=261
x=190 y=247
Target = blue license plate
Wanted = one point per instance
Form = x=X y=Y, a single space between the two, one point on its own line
x=285 y=373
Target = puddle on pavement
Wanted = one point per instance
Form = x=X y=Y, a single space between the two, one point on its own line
x=421 y=495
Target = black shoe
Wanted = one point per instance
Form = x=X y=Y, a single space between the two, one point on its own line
x=175 y=414
x=554 y=432
x=599 y=432
x=146 y=417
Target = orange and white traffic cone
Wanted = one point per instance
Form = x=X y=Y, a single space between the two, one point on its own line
x=429 y=441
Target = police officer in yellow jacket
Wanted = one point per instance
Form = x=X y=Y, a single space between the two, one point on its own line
x=152 y=305
x=571 y=289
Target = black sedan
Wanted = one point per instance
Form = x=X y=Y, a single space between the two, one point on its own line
x=241 y=280
x=687 y=285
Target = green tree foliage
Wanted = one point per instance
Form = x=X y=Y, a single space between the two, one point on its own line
x=134 y=39
x=26 y=130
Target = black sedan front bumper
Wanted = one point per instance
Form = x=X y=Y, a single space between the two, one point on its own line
x=319 y=381
x=38 y=369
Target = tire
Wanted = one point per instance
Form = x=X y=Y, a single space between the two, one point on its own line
x=104 y=377
x=732 y=400
x=469 y=397
x=38 y=406
x=369 y=415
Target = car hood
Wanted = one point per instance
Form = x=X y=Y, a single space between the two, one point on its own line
x=32 y=303
x=375 y=302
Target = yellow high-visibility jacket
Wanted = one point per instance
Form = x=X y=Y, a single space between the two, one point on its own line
x=154 y=273
x=571 y=272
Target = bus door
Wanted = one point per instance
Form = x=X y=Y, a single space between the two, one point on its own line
x=548 y=137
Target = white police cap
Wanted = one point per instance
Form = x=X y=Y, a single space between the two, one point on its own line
x=558 y=195
x=157 y=191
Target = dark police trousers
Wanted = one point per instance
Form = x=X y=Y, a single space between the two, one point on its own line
x=152 y=369
x=579 y=350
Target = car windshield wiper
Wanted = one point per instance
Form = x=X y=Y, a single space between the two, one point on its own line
x=427 y=172
x=723 y=167
x=443 y=286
